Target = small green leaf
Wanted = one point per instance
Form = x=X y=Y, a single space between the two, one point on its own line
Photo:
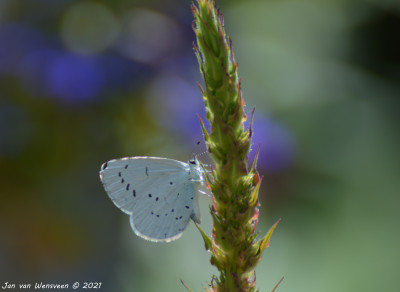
x=264 y=243
x=203 y=128
x=206 y=239
x=253 y=200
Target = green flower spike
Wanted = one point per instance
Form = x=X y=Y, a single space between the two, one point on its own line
x=234 y=249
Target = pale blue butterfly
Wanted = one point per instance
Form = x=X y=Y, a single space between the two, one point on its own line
x=159 y=194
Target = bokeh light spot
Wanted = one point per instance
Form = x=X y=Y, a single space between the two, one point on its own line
x=89 y=28
x=148 y=36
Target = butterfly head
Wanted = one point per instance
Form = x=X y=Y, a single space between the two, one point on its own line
x=195 y=169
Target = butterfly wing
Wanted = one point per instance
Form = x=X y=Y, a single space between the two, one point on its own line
x=157 y=193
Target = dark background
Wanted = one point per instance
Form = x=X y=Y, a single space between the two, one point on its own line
x=83 y=82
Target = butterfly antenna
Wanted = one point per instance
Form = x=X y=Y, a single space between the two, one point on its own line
x=202 y=153
x=193 y=152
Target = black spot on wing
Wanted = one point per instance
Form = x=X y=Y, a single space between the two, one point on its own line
x=119 y=174
x=127 y=187
x=147 y=171
x=122 y=180
x=126 y=166
x=149 y=195
x=134 y=193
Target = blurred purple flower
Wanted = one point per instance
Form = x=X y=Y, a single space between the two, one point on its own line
x=16 y=41
x=74 y=78
x=122 y=73
x=175 y=100
x=175 y=103
x=59 y=74
x=47 y=70
x=33 y=69
x=277 y=145
x=24 y=52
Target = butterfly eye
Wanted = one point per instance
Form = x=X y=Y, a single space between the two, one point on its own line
x=192 y=162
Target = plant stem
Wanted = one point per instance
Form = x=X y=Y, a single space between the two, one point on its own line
x=234 y=249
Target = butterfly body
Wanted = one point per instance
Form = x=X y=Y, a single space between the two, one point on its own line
x=159 y=194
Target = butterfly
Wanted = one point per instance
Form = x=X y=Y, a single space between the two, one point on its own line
x=159 y=194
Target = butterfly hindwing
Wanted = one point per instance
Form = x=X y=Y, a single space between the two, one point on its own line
x=167 y=214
